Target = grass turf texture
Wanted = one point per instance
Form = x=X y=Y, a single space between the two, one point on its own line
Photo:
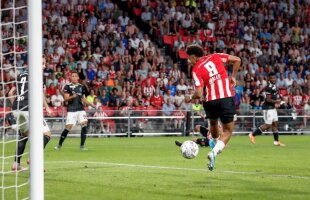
x=153 y=168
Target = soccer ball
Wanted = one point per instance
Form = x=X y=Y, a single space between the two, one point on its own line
x=189 y=149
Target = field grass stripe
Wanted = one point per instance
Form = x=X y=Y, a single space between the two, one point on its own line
x=180 y=168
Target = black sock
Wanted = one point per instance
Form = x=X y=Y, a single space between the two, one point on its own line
x=63 y=136
x=46 y=139
x=21 y=145
x=83 y=135
x=203 y=141
x=276 y=136
x=258 y=131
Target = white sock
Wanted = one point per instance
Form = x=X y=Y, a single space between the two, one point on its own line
x=218 y=147
x=16 y=164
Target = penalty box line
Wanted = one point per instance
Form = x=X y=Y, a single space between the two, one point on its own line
x=178 y=168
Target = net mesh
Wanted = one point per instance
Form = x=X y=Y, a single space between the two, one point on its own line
x=13 y=58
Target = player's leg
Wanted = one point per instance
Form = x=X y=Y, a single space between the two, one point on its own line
x=21 y=145
x=201 y=141
x=22 y=121
x=82 y=119
x=71 y=119
x=63 y=136
x=275 y=131
x=268 y=118
x=226 y=109
x=46 y=134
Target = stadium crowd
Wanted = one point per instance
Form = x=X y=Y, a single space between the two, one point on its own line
x=115 y=46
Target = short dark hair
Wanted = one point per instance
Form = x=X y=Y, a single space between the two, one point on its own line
x=74 y=72
x=271 y=74
x=194 y=50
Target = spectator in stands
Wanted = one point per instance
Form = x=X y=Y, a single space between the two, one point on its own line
x=292 y=72
x=175 y=72
x=168 y=109
x=292 y=89
x=53 y=80
x=90 y=72
x=104 y=98
x=297 y=99
x=157 y=100
x=90 y=98
x=261 y=81
x=168 y=95
x=256 y=96
x=51 y=90
x=178 y=118
x=178 y=98
x=244 y=107
x=134 y=41
x=289 y=80
x=114 y=98
x=171 y=87
x=146 y=15
x=281 y=81
x=57 y=99
x=181 y=86
x=306 y=113
x=148 y=89
x=300 y=81
x=197 y=107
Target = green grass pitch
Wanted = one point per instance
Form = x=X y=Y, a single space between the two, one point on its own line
x=152 y=168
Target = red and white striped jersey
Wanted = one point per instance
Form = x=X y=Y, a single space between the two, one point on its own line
x=210 y=72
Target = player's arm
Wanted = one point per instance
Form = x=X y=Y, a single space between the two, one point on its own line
x=68 y=97
x=198 y=85
x=11 y=94
x=46 y=106
x=198 y=93
x=268 y=97
x=236 y=61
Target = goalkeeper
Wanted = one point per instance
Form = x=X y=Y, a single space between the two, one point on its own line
x=19 y=97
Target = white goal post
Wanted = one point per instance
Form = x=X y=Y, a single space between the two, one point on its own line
x=35 y=99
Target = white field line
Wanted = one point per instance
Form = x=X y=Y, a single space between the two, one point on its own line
x=179 y=168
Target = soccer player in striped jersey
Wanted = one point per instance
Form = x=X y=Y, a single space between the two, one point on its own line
x=210 y=73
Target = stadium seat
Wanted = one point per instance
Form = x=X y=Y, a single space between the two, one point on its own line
x=283 y=92
x=137 y=12
x=183 y=54
x=153 y=4
x=168 y=39
x=183 y=32
x=186 y=39
x=152 y=111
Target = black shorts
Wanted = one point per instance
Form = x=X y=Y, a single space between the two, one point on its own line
x=223 y=109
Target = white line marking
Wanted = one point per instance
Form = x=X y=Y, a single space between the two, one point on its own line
x=180 y=168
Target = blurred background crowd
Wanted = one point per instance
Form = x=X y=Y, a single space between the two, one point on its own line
x=130 y=54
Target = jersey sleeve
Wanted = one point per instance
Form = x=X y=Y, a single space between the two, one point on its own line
x=268 y=90
x=197 y=79
x=223 y=57
x=66 y=89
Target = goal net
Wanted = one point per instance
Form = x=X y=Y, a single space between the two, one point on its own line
x=16 y=56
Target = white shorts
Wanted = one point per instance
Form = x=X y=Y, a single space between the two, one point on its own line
x=270 y=116
x=22 y=120
x=78 y=117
